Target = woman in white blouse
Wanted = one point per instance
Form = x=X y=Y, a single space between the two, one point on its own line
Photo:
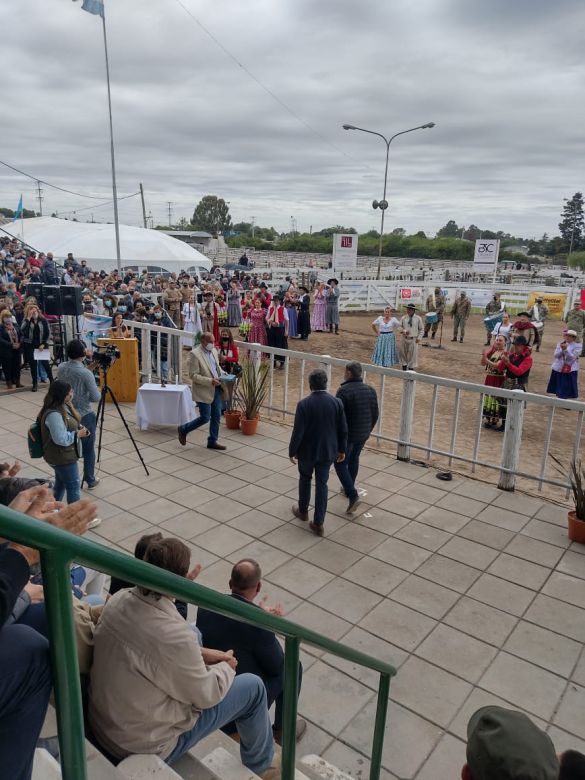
x=503 y=328
x=384 y=327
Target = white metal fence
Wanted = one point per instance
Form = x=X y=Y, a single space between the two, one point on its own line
x=424 y=417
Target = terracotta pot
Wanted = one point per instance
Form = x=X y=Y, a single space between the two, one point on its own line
x=232 y=419
x=576 y=528
x=248 y=427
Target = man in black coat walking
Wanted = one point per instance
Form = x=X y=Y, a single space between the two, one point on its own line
x=360 y=403
x=319 y=438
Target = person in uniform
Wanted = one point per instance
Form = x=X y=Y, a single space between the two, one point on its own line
x=436 y=302
x=538 y=315
x=173 y=300
x=493 y=307
x=332 y=305
x=460 y=314
x=412 y=329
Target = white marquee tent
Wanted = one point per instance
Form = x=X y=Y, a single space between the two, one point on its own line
x=96 y=243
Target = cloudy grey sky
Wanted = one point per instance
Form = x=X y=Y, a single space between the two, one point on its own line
x=504 y=80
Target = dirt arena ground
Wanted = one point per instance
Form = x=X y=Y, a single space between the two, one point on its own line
x=457 y=361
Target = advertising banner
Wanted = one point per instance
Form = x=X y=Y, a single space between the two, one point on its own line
x=555 y=302
x=345 y=247
x=485 y=258
x=93 y=326
x=479 y=297
x=408 y=295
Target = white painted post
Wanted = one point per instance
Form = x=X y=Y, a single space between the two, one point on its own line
x=406 y=417
x=512 y=442
x=327 y=367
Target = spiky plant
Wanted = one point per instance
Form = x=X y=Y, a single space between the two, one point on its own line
x=576 y=477
x=252 y=388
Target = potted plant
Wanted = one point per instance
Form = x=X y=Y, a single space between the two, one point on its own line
x=577 y=515
x=232 y=414
x=250 y=394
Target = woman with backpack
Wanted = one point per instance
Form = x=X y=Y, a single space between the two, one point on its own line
x=60 y=434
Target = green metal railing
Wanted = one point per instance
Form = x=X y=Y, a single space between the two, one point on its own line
x=58 y=549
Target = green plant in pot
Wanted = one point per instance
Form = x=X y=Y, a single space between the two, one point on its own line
x=577 y=515
x=232 y=413
x=250 y=394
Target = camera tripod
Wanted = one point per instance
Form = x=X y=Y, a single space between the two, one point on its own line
x=107 y=390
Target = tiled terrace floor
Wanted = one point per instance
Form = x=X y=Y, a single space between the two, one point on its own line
x=476 y=595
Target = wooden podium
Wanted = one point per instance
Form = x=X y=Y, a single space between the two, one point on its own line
x=124 y=375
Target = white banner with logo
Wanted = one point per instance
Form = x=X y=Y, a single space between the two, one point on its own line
x=479 y=297
x=345 y=247
x=485 y=258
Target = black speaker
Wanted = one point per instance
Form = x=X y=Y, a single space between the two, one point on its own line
x=52 y=300
x=71 y=300
x=36 y=290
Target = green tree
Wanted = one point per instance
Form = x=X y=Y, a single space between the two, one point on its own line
x=572 y=222
x=577 y=260
x=398 y=232
x=450 y=230
x=472 y=233
x=328 y=232
x=212 y=214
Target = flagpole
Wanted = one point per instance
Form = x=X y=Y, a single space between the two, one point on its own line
x=22 y=220
x=114 y=188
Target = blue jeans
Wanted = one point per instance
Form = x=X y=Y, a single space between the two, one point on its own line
x=321 y=469
x=67 y=481
x=25 y=687
x=208 y=413
x=88 y=448
x=245 y=702
x=164 y=365
x=347 y=470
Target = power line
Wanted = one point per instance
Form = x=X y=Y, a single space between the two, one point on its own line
x=100 y=205
x=48 y=184
x=266 y=89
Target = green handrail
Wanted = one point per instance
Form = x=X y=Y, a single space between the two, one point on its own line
x=59 y=548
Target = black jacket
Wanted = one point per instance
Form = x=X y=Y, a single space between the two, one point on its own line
x=360 y=403
x=14 y=574
x=320 y=429
x=6 y=349
x=257 y=650
x=33 y=335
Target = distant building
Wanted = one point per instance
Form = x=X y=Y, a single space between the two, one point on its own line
x=198 y=239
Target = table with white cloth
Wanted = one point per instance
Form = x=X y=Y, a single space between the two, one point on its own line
x=169 y=405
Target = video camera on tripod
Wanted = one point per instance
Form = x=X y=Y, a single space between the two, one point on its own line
x=105 y=357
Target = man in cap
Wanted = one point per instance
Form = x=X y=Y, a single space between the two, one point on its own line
x=460 y=314
x=332 y=305
x=411 y=328
x=505 y=744
x=436 y=302
x=538 y=314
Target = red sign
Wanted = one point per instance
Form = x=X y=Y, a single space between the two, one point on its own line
x=583 y=299
x=346 y=241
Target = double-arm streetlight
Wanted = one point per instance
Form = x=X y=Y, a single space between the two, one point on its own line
x=383 y=204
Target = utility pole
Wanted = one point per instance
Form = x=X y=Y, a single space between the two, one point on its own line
x=40 y=198
x=143 y=206
x=170 y=209
x=253 y=226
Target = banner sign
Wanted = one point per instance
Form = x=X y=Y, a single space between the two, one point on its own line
x=479 y=298
x=485 y=258
x=345 y=247
x=93 y=326
x=410 y=295
x=555 y=303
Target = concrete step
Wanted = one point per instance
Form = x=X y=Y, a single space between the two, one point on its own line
x=146 y=768
x=319 y=769
x=45 y=767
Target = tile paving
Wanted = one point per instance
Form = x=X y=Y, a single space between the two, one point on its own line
x=474 y=594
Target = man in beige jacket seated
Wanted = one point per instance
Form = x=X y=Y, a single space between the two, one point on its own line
x=207 y=393
x=153 y=689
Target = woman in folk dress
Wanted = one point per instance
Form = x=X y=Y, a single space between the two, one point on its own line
x=385 y=352
x=319 y=306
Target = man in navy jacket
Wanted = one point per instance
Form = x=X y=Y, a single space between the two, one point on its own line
x=319 y=438
x=256 y=649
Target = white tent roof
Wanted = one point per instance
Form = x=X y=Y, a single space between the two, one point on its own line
x=96 y=243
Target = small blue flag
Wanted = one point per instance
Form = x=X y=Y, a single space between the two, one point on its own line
x=94 y=7
x=18 y=212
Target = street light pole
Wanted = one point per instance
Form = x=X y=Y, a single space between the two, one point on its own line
x=383 y=204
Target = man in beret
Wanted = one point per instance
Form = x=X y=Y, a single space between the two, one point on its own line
x=505 y=744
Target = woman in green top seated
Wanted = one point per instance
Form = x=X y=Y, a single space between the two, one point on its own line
x=60 y=430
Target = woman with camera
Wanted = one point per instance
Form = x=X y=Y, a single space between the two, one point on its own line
x=61 y=433
x=565 y=367
x=35 y=335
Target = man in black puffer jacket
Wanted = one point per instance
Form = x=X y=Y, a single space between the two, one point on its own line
x=361 y=411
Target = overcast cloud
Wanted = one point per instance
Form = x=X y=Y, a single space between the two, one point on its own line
x=503 y=80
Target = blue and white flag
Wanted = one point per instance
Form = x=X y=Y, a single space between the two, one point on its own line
x=18 y=212
x=94 y=7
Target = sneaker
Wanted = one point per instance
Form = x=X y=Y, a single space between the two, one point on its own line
x=353 y=503
x=454 y=339
x=94 y=523
x=216 y=446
